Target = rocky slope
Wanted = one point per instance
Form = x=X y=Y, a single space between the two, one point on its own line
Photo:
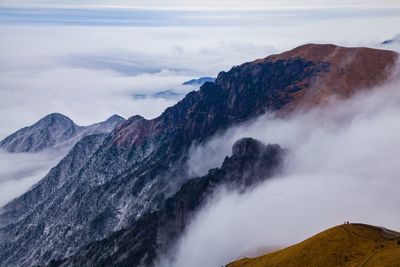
x=141 y=162
x=344 y=245
x=54 y=131
x=154 y=233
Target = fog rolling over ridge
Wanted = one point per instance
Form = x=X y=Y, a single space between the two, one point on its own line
x=342 y=166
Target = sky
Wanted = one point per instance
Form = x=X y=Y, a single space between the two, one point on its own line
x=220 y=4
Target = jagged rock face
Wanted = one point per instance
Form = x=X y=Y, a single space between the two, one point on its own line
x=139 y=164
x=54 y=131
x=251 y=162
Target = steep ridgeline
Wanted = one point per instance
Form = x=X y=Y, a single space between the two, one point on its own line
x=139 y=164
x=54 y=131
x=155 y=233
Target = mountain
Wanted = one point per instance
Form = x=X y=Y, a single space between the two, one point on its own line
x=394 y=40
x=344 y=245
x=347 y=71
x=199 y=81
x=251 y=163
x=54 y=131
x=142 y=163
x=167 y=94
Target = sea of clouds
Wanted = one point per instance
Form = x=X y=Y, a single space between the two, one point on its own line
x=88 y=65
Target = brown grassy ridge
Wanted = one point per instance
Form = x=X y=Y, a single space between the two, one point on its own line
x=351 y=69
x=355 y=245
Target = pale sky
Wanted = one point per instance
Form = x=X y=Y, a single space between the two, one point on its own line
x=207 y=4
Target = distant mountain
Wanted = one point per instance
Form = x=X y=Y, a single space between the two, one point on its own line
x=199 y=81
x=167 y=94
x=345 y=245
x=54 y=131
x=394 y=40
x=141 y=163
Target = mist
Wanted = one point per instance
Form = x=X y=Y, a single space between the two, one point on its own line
x=19 y=171
x=343 y=165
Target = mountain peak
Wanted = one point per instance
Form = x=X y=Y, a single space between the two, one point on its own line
x=54 y=131
x=55 y=118
x=334 y=53
x=246 y=146
x=115 y=118
x=394 y=40
x=199 y=81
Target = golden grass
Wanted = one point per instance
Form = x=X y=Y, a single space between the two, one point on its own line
x=345 y=245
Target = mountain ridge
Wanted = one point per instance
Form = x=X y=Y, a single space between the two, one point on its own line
x=349 y=71
x=54 y=131
x=343 y=245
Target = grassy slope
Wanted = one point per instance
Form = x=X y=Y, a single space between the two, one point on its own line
x=344 y=245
